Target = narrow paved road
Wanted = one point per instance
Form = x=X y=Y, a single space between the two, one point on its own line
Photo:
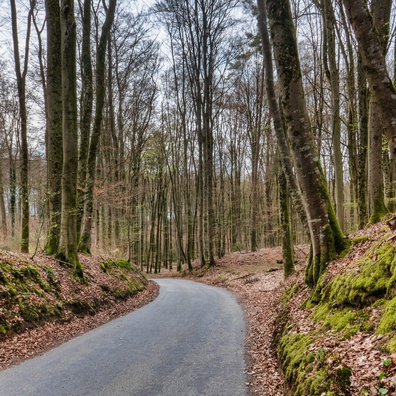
x=188 y=342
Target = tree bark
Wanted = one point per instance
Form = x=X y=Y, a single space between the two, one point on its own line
x=332 y=73
x=86 y=108
x=21 y=86
x=326 y=236
x=67 y=251
x=54 y=124
x=276 y=115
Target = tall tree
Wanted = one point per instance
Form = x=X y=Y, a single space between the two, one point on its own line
x=68 y=237
x=21 y=84
x=331 y=68
x=54 y=124
x=86 y=106
x=326 y=236
x=85 y=243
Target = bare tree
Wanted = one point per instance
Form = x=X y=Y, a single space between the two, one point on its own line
x=21 y=84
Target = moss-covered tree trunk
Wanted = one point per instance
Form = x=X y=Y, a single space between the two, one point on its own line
x=54 y=124
x=68 y=238
x=326 y=236
x=85 y=242
x=377 y=208
x=280 y=133
x=287 y=235
x=376 y=192
x=362 y=172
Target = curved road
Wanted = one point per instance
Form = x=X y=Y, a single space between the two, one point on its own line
x=189 y=341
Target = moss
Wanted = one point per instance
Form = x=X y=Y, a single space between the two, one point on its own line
x=343 y=380
x=33 y=313
x=380 y=209
x=107 y=265
x=356 y=241
x=347 y=322
x=133 y=286
x=373 y=278
x=392 y=345
x=388 y=319
x=50 y=273
x=3 y=330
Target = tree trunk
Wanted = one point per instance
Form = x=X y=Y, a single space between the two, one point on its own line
x=54 y=124
x=375 y=177
x=85 y=243
x=285 y=215
x=332 y=73
x=21 y=85
x=362 y=173
x=86 y=108
x=280 y=132
x=326 y=236
x=68 y=238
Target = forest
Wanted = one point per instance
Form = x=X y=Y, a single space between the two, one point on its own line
x=174 y=130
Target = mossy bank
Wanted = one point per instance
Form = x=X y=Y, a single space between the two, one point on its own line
x=35 y=291
x=320 y=332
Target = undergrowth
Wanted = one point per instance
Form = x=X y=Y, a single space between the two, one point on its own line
x=34 y=293
x=341 y=306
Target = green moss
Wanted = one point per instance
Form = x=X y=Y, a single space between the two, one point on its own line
x=373 y=278
x=107 y=265
x=356 y=241
x=3 y=330
x=388 y=319
x=345 y=321
x=380 y=209
x=133 y=286
x=305 y=370
x=392 y=345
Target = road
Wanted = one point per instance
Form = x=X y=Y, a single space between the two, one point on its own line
x=187 y=342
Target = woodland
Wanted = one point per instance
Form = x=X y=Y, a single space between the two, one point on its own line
x=172 y=134
x=177 y=130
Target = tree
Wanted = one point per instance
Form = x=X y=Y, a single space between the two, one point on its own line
x=332 y=73
x=326 y=236
x=85 y=242
x=53 y=139
x=21 y=84
x=373 y=58
x=86 y=107
x=68 y=237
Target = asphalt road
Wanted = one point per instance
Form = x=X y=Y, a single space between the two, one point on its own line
x=189 y=341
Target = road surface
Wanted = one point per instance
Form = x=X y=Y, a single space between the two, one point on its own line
x=187 y=342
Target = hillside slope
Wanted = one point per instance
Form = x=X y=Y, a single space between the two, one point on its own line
x=42 y=305
x=341 y=338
